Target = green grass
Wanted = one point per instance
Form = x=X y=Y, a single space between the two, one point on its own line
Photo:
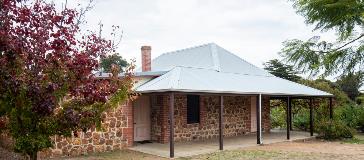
x=261 y=155
x=357 y=139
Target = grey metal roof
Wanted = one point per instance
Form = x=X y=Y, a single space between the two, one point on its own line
x=212 y=69
x=208 y=56
x=188 y=79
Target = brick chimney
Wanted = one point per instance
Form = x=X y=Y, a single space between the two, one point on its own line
x=146 y=58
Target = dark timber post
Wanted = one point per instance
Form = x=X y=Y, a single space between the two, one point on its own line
x=290 y=114
x=331 y=110
x=171 y=126
x=221 y=122
x=259 y=119
x=288 y=111
x=311 y=116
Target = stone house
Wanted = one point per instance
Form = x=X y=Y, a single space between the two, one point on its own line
x=192 y=94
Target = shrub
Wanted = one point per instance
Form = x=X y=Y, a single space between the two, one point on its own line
x=278 y=117
x=350 y=115
x=360 y=100
x=361 y=121
x=333 y=129
x=330 y=87
x=301 y=119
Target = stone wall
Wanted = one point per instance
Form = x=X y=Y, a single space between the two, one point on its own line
x=118 y=124
x=266 y=125
x=237 y=112
x=237 y=117
x=159 y=118
x=117 y=134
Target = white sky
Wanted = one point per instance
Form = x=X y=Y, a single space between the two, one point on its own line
x=252 y=29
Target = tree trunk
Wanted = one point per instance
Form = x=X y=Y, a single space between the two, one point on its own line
x=33 y=156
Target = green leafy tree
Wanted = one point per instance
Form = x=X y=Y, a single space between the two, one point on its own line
x=279 y=69
x=325 y=85
x=346 y=112
x=346 y=18
x=284 y=71
x=116 y=59
x=350 y=83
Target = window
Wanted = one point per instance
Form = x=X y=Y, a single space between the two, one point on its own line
x=193 y=109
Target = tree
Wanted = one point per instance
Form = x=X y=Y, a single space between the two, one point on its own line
x=351 y=83
x=346 y=18
x=279 y=69
x=47 y=84
x=115 y=59
x=325 y=85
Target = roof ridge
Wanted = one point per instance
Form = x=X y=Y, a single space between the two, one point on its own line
x=180 y=50
x=252 y=65
x=215 y=57
x=223 y=71
x=176 y=74
x=163 y=76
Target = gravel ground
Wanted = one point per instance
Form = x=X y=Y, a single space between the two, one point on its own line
x=5 y=154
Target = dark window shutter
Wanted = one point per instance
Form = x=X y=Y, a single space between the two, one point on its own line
x=193 y=109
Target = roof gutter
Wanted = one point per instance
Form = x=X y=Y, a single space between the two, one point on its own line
x=232 y=93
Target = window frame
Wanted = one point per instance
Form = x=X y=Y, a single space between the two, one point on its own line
x=193 y=112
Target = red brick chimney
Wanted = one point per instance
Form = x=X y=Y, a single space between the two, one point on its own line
x=146 y=58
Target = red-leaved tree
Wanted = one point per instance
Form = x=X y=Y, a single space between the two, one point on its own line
x=47 y=85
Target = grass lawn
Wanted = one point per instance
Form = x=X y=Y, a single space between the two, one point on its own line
x=358 y=139
x=265 y=155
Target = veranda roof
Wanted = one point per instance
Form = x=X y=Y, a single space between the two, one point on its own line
x=212 y=69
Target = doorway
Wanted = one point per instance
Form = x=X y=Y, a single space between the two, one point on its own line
x=142 y=123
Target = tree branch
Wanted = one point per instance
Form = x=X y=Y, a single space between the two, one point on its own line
x=344 y=45
x=352 y=41
x=83 y=11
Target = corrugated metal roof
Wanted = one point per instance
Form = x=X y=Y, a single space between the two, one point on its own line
x=208 y=56
x=212 y=69
x=188 y=79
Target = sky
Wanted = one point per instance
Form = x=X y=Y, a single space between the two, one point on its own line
x=251 y=29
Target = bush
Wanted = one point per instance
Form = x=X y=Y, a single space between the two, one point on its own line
x=360 y=100
x=349 y=114
x=361 y=121
x=278 y=117
x=301 y=119
x=333 y=129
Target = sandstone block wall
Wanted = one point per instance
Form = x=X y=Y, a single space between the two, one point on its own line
x=118 y=124
x=117 y=134
x=237 y=117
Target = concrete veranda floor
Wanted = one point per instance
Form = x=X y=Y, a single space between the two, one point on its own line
x=186 y=149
